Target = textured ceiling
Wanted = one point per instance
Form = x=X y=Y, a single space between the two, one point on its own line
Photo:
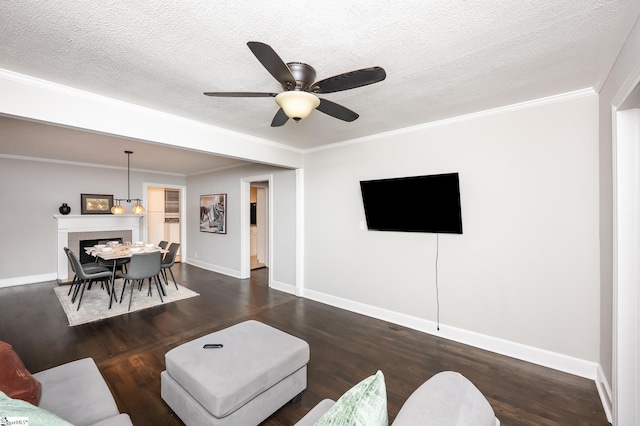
x=442 y=58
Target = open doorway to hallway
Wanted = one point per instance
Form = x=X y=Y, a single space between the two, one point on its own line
x=258 y=225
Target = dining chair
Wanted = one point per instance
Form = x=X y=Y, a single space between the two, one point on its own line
x=163 y=244
x=84 y=276
x=142 y=266
x=168 y=261
x=120 y=263
x=73 y=269
x=89 y=267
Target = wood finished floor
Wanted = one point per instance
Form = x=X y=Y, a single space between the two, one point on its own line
x=345 y=348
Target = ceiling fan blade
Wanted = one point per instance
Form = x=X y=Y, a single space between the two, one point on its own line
x=272 y=62
x=279 y=119
x=241 y=94
x=335 y=110
x=349 y=80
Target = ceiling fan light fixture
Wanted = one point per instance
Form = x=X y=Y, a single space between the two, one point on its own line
x=297 y=104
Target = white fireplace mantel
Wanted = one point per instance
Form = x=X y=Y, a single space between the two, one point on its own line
x=90 y=223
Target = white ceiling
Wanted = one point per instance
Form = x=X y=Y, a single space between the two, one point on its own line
x=23 y=138
x=443 y=59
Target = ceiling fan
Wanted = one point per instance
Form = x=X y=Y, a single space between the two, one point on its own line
x=298 y=81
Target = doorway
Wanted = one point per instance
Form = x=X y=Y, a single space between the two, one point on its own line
x=626 y=300
x=261 y=231
x=165 y=206
x=258 y=224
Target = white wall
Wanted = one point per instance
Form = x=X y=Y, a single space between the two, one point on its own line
x=526 y=269
x=616 y=85
x=222 y=252
x=32 y=191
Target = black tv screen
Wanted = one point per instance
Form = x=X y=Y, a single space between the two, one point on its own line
x=413 y=204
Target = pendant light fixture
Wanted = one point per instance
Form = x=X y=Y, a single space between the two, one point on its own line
x=137 y=208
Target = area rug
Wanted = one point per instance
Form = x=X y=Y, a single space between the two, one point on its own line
x=95 y=302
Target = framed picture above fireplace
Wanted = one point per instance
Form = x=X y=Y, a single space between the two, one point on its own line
x=96 y=203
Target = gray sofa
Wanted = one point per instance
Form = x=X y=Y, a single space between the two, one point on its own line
x=446 y=399
x=77 y=392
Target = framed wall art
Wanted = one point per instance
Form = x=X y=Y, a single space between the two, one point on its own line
x=96 y=203
x=213 y=213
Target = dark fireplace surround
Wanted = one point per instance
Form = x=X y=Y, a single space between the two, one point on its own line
x=83 y=244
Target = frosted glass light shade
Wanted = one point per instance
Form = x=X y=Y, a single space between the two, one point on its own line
x=137 y=209
x=118 y=209
x=297 y=104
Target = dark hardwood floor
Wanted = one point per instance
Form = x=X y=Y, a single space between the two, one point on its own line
x=345 y=348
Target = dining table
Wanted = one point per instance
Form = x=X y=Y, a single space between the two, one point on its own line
x=119 y=252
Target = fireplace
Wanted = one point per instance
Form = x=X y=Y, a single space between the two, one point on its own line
x=83 y=244
x=74 y=228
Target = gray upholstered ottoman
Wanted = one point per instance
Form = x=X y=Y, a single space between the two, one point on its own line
x=257 y=370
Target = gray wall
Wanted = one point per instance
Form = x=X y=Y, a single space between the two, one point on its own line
x=32 y=191
x=222 y=252
x=526 y=269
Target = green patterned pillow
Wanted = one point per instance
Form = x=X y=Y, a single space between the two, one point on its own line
x=10 y=407
x=365 y=404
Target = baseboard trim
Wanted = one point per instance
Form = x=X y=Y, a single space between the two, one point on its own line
x=604 y=390
x=214 y=268
x=287 y=288
x=567 y=364
x=545 y=358
x=30 y=279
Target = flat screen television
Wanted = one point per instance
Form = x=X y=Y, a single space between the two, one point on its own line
x=413 y=204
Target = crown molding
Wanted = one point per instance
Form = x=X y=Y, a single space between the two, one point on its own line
x=562 y=97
